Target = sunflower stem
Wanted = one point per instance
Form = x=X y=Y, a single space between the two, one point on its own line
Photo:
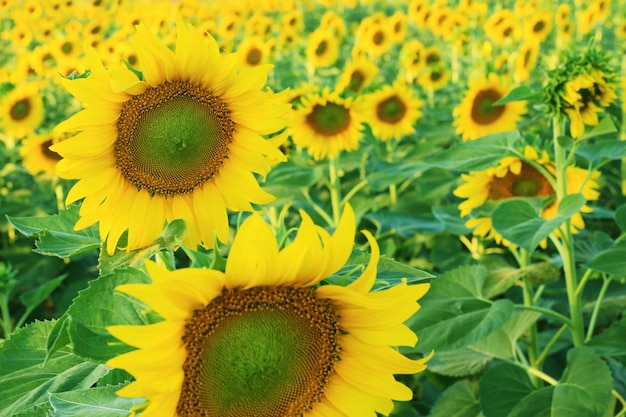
x=623 y=136
x=596 y=307
x=566 y=249
x=533 y=345
x=6 y=316
x=334 y=188
x=555 y=338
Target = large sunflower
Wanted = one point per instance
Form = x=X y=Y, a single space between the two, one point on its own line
x=22 y=110
x=476 y=116
x=513 y=178
x=264 y=339
x=391 y=111
x=183 y=142
x=326 y=124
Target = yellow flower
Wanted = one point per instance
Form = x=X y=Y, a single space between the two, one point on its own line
x=265 y=339
x=538 y=27
x=476 y=115
x=326 y=124
x=391 y=111
x=37 y=158
x=254 y=51
x=182 y=143
x=22 y=110
x=323 y=48
x=357 y=75
x=514 y=177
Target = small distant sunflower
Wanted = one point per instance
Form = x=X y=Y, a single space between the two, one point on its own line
x=392 y=111
x=526 y=60
x=538 y=27
x=377 y=38
x=476 y=116
x=513 y=178
x=265 y=339
x=182 y=143
x=412 y=57
x=326 y=124
x=22 y=110
x=36 y=155
x=323 y=48
x=434 y=77
x=253 y=51
x=357 y=75
x=399 y=26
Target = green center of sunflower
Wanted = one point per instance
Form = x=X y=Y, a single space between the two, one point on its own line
x=20 y=109
x=264 y=352
x=173 y=138
x=321 y=48
x=538 y=27
x=329 y=119
x=483 y=110
x=67 y=47
x=253 y=57
x=357 y=79
x=529 y=183
x=391 y=110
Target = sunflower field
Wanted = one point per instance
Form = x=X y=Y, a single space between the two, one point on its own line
x=312 y=208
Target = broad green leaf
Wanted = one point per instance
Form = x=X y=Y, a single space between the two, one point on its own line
x=389 y=272
x=604 y=127
x=501 y=279
x=35 y=296
x=521 y=92
x=58 y=337
x=455 y=323
x=26 y=380
x=502 y=343
x=450 y=217
x=462 y=283
x=517 y=220
x=459 y=400
x=479 y=154
x=382 y=174
x=611 y=260
x=171 y=238
x=502 y=388
x=583 y=391
x=602 y=150
x=292 y=175
x=94 y=402
x=405 y=224
x=611 y=342
x=56 y=235
x=458 y=362
x=100 y=306
x=620 y=217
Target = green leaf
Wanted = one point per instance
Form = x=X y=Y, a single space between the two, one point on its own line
x=462 y=283
x=517 y=221
x=389 y=272
x=94 y=402
x=458 y=362
x=171 y=238
x=611 y=260
x=620 y=217
x=611 y=342
x=405 y=224
x=450 y=217
x=58 y=337
x=459 y=400
x=519 y=93
x=35 y=296
x=600 y=151
x=100 y=306
x=502 y=388
x=605 y=127
x=56 y=235
x=457 y=323
x=583 y=391
x=503 y=342
x=26 y=381
x=382 y=174
x=477 y=154
x=293 y=175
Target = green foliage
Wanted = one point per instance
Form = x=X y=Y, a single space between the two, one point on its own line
x=94 y=402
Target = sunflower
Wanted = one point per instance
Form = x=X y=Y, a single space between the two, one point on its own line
x=526 y=60
x=538 y=27
x=476 y=116
x=377 y=38
x=391 y=111
x=182 y=143
x=357 y=75
x=326 y=124
x=264 y=338
x=514 y=177
x=36 y=155
x=412 y=57
x=323 y=48
x=253 y=51
x=399 y=26
x=22 y=110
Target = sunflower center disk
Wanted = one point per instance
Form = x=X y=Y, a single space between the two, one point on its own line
x=172 y=138
x=483 y=110
x=20 y=110
x=391 y=110
x=529 y=183
x=264 y=352
x=329 y=119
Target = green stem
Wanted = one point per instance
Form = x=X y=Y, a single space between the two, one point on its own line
x=335 y=189
x=533 y=345
x=6 y=316
x=583 y=281
x=558 y=316
x=623 y=135
x=317 y=208
x=353 y=191
x=555 y=338
x=596 y=307
x=566 y=250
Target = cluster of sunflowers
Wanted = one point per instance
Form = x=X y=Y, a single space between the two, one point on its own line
x=138 y=115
